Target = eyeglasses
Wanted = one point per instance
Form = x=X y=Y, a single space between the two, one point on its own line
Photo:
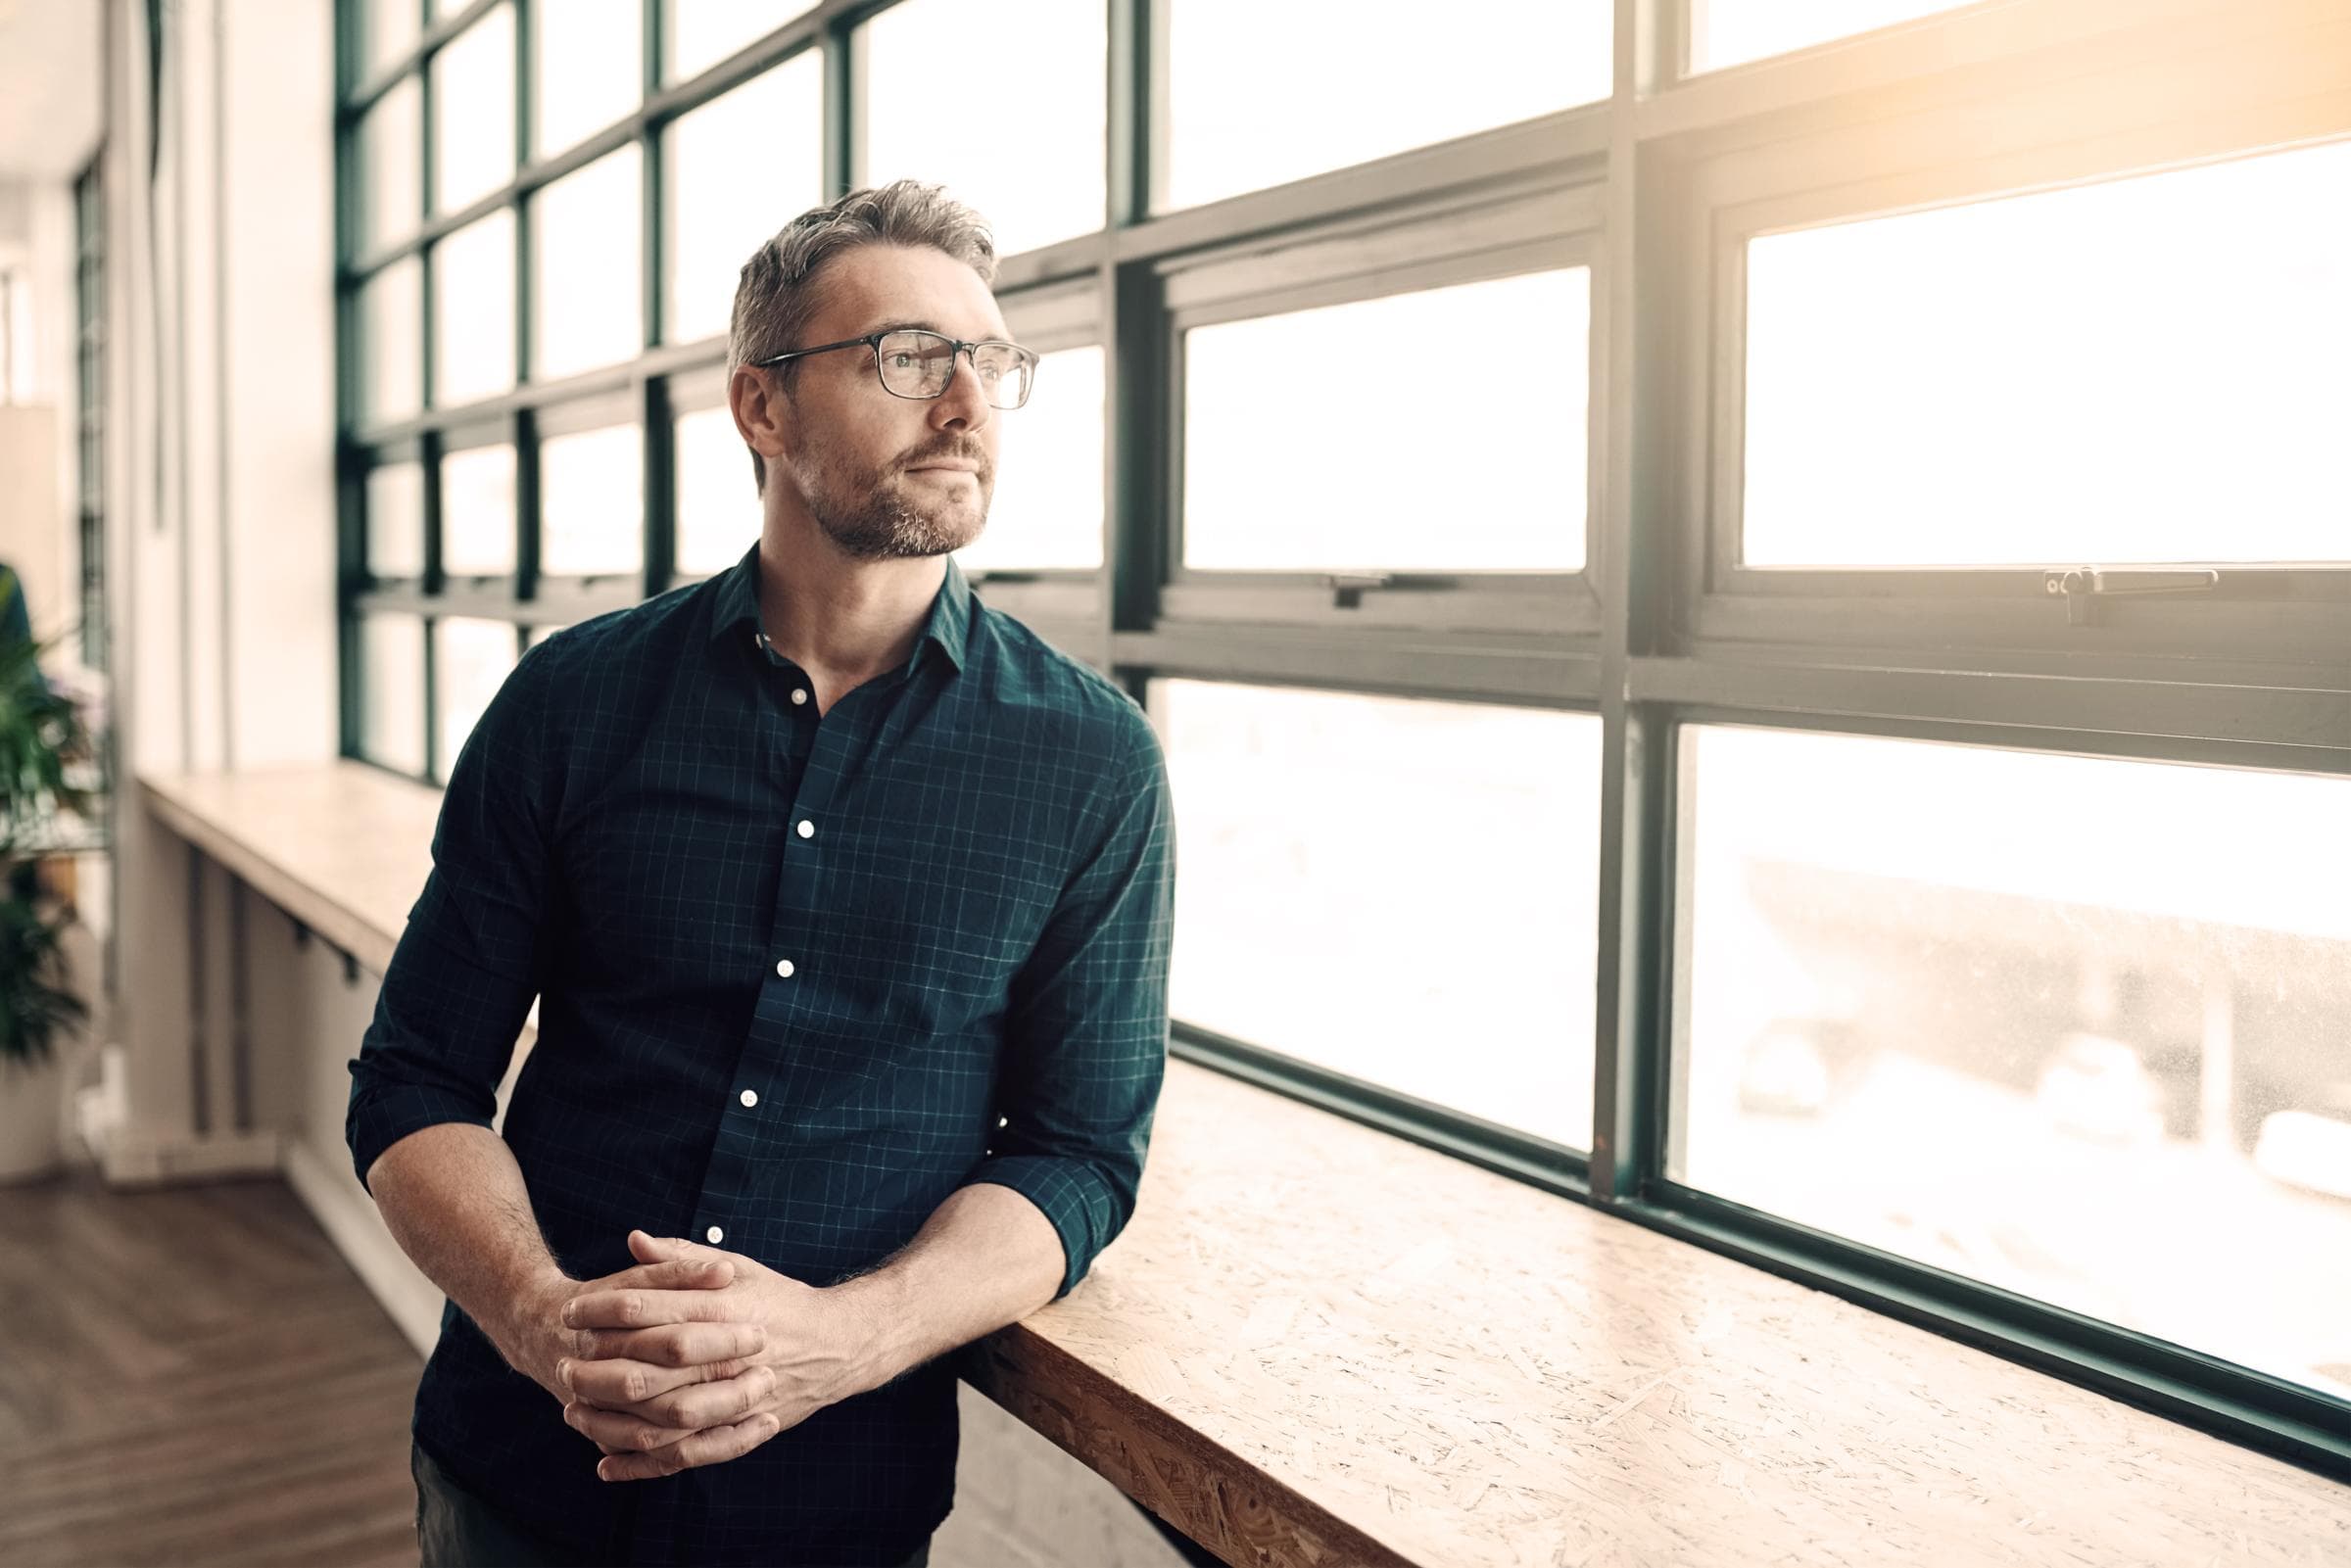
x=915 y=363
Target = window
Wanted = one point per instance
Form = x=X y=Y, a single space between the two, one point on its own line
x=1355 y=891
x=2146 y=371
x=473 y=97
x=1731 y=32
x=765 y=137
x=1046 y=510
x=703 y=32
x=1259 y=95
x=592 y=488
x=1692 y=614
x=589 y=69
x=391 y=312
x=1892 y=971
x=471 y=660
x=1283 y=466
x=391 y=691
x=1030 y=158
x=587 y=294
x=396 y=520
x=388 y=167
x=473 y=326
x=718 y=506
x=477 y=511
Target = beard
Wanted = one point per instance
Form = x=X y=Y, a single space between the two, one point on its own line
x=885 y=514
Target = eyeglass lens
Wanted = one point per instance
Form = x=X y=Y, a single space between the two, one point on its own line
x=918 y=364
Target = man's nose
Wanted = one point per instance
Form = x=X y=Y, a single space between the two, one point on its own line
x=963 y=402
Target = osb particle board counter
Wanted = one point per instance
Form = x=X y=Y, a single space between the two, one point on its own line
x=1318 y=1344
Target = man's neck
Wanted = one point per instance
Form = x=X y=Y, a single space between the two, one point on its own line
x=842 y=617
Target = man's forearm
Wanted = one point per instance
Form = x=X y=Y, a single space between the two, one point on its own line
x=455 y=1200
x=985 y=1257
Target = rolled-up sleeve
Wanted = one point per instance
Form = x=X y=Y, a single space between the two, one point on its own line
x=1086 y=1031
x=470 y=962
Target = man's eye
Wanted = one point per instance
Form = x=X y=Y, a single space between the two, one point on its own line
x=901 y=361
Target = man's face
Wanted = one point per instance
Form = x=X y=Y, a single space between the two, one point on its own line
x=886 y=476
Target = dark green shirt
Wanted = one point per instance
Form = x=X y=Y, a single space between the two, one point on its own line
x=800 y=978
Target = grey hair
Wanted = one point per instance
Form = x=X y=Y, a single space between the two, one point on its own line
x=778 y=294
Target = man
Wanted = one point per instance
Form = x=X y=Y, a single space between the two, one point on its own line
x=849 y=905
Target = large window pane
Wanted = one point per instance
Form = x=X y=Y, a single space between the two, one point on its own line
x=392 y=167
x=718 y=506
x=1260 y=94
x=703 y=32
x=477 y=512
x=2153 y=370
x=473 y=111
x=471 y=660
x=1281 y=471
x=2082 y=1025
x=737 y=170
x=1727 y=33
x=586 y=309
x=1047 y=511
x=1030 y=161
x=592 y=498
x=473 y=310
x=396 y=520
x=1402 y=890
x=391 y=306
x=391 y=691
x=591 y=70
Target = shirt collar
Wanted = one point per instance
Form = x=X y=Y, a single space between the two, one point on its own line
x=735 y=610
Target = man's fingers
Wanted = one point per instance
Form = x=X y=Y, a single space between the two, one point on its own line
x=620 y=1382
x=642 y=1309
x=674 y=1346
x=713 y=1447
x=651 y=1249
x=709 y=1405
x=682 y=1273
x=619 y=1429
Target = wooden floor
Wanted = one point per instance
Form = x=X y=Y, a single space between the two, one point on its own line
x=194 y=1376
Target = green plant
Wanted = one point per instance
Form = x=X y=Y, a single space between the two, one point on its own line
x=42 y=739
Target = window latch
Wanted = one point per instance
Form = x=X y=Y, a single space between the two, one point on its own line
x=1347 y=587
x=2082 y=586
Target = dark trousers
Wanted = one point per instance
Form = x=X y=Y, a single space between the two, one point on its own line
x=455 y=1529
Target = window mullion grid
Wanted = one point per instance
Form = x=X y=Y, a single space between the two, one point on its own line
x=843 y=101
x=655 y=433
x=348 y=555
x=1631 y=926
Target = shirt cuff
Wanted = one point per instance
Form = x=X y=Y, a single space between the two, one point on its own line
x=1070 y=1194
x=380 y=1117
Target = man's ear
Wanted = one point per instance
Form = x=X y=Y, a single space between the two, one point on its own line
x=763 y=415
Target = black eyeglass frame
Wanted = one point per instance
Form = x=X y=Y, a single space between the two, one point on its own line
x=963 y=350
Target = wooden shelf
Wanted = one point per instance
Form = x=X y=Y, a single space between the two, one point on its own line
x=1318 y=1344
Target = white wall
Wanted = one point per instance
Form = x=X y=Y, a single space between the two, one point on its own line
x=221 y=513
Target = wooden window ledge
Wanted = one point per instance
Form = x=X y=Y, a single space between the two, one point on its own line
x=1318 y=1344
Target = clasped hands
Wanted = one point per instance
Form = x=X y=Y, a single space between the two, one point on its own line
x=695 y=1356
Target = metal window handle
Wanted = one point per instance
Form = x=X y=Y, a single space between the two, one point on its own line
x=1347 y=587
x=2082 y=586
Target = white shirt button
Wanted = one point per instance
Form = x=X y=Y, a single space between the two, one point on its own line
x=715 y=1235
x=783 y=968
x=808 y=829
x=750 y=1097
x=798 y=696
